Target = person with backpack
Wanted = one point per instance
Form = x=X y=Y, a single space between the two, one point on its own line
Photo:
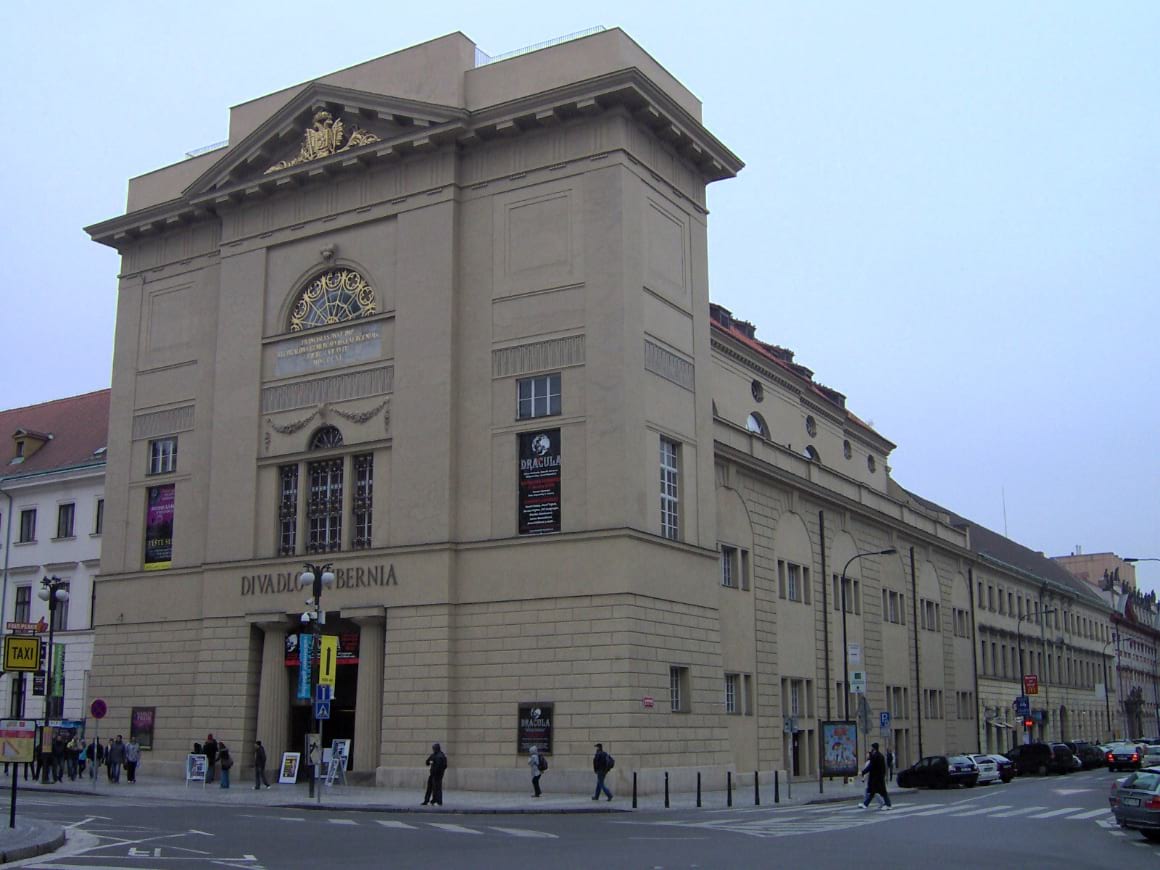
x=538 y=763
x=602 y=762
x=437 y=762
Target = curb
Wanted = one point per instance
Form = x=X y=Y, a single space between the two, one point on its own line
x=32 y=850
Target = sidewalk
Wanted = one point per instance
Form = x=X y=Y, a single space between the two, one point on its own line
x=32 y=837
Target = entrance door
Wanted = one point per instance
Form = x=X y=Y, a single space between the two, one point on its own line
x=340 y=725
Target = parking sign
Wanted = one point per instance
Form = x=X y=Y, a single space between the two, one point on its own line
x=884 y=719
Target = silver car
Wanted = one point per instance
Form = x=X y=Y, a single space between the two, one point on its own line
x=1135 y=802
x=988 y=769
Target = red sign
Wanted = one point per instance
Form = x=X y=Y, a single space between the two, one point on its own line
x=1030 y=684
x=28 y=627
x=648 y=702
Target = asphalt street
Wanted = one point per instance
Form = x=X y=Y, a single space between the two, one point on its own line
x=1032 y=822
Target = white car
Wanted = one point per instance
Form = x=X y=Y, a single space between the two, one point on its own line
x=988 y=769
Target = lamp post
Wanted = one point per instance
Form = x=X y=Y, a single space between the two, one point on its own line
x=1022 y=671
x=1107 y=686
x=315 y=576
x=54 y=591
x=845 y=646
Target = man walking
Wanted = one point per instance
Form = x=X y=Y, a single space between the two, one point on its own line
x=538 y=766
x=259 y=765
x=437 y=761
x=116 y=757
x=132 y=758
x=601 y=763
x=874 y=772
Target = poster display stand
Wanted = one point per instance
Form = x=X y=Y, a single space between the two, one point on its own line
x=195 y=768
x=336 y=769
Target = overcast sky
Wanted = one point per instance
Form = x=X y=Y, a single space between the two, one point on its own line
x=950 y=213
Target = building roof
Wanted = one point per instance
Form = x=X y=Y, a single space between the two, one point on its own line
x=1004 y=552
x=73 y=433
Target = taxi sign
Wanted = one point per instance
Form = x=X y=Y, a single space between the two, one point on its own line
x=21 y=652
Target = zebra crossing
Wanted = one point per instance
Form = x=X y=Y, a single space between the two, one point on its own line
x=815 y=820
x=446 y=827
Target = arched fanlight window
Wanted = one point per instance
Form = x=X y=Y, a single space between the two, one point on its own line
x=334 y=296
x=756 y=423
x=812 y=454
x=327 y=436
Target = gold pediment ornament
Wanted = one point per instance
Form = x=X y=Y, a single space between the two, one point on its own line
x=325 y=137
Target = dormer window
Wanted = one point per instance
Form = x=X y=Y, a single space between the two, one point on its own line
x=27 y=443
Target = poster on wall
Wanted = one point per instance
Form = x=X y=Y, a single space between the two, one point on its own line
x=141 y=726
x=347 y=649
x=539 y=482
x=159 y=528
x=535 y=728
x=839 y=749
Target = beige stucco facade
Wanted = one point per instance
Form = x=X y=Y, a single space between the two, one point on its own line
x=538 y=222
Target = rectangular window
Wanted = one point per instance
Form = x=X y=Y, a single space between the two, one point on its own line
x=163 y=456
x=324 y=506
x=981 y=602
x=1002 y=602
x=670 y=489
x=983 y=656
x=679 y=689
x=732 y=689
x=65 y=516
x=1011 y=603
x=23 y=611
x=287 y=510
x=60 y=612
x=991 y=598
x=745 y=569
x=795 y=697
x=729 y=566
x=364 y=484
x=747 y=694
x=538 y=396
x=852 y=590
x=793 y=584
x=27 y=526
x=99 y=517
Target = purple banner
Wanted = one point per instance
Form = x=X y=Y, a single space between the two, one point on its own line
x=539 y=482
x=159 y=528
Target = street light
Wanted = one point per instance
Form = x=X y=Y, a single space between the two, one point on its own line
x=54 y=591
x=315 y=576
x=1107 y=684
x=1022 y=672
x=889 y=551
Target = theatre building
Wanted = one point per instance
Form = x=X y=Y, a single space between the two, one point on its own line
x=444 y=324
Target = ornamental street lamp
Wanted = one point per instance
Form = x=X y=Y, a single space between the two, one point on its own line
x=316 y=577
x=1107 y=684
x=1022 y=670
x=845 y=646
x=54 y=591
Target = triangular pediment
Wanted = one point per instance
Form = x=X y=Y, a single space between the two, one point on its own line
x=324 y=127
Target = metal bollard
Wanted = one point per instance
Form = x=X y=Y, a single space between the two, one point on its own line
x=698 y=788
x=666 y=789
x=756 y=790
x=634 y=789
x=728 y=788
x=776 y=787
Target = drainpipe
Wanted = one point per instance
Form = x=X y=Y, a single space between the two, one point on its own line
x=975 y=656
x=917 y=659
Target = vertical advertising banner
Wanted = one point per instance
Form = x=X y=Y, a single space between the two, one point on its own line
x=839 y=749
x=159 y=527
x=535 y=728
x=539 y=482
x=57 y=685
x=141 y=726
x=305 y=652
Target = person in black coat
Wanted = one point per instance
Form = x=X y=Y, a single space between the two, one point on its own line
x=437 y=762
x=874 y=772
x=259 y=765
x=211 y=753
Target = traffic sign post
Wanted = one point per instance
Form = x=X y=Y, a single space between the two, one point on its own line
x=21 y=652
x=1022 y=705
x=322 y=709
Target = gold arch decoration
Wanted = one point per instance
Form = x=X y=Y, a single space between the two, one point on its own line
x=333 y=297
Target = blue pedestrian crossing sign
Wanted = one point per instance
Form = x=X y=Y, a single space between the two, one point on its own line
x=322 y=709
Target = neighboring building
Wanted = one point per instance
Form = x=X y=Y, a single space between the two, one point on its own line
x=52 y=476
x=447 y=326
x=1134 y=640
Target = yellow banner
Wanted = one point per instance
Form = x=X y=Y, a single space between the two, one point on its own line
x=327 y=660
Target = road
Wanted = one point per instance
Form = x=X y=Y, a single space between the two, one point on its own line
x=1052 y=822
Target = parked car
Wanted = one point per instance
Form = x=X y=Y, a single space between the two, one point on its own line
x=1041 y=759
x=1135 y=802
x=940 y=771
x=1090 y=755
x=988 y=769
x=1006 y=767
x=1150 y=755
x=1124 y=756
x=1065 y=760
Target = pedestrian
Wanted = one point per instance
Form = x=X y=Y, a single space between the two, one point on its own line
x=59 y=751
x=226 y=761
x=890 y=765
x=210 y=748
x=259 y=765
x=874 y=774
x=437 y=762
x=538 y=763
x=72 y=756
x=82 y=760
x=132 y=758
x=116 y=756
x=96 y=754
x=602 y=762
